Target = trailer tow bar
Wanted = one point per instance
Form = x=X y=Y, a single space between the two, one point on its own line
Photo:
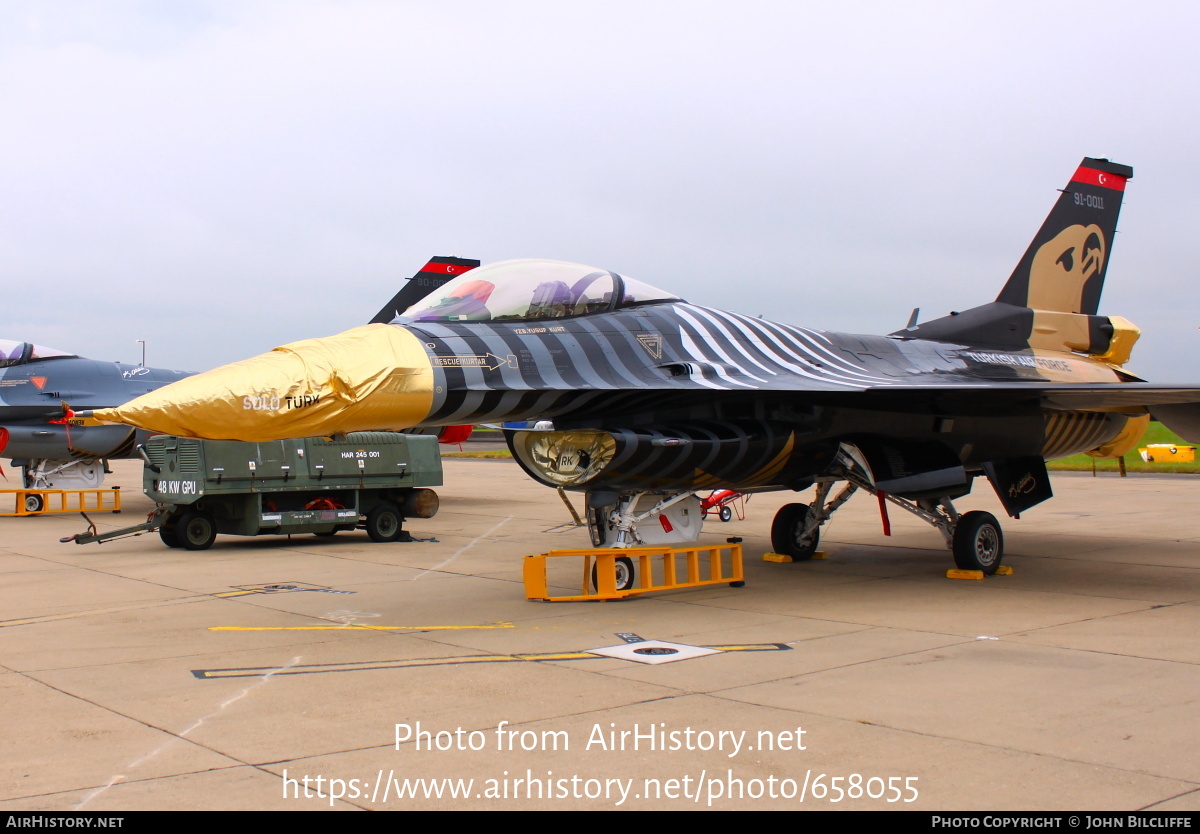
x=153 y=521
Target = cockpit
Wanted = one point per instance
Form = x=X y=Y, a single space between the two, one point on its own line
x=20 y=353
x=533 y=290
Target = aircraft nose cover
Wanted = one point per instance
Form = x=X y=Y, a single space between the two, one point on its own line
x=374 y=377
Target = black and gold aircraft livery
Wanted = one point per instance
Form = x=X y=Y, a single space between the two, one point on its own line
x=646 y=398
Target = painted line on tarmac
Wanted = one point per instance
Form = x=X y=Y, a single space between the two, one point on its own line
x=371 y=665
x=462 y=549
x=50 y=618
x=265 y=676
x=362 y=628
x=277 y=588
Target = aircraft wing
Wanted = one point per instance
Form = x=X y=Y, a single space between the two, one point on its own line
x=1131 y=396
x=1175 y=406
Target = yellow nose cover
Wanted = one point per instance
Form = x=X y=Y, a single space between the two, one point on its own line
x=372 y=377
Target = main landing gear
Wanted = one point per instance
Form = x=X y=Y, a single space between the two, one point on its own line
x=974 y=538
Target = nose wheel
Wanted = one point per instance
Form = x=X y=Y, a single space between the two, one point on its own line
x=625 y=575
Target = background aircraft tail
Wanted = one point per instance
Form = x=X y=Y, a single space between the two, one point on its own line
x=438 y=271
x=434 y=274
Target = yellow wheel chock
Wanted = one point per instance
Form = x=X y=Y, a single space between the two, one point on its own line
x=1003 y=570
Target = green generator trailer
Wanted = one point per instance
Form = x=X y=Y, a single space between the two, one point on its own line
x=320 y=485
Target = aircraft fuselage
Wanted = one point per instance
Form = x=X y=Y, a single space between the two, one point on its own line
x=676 y=370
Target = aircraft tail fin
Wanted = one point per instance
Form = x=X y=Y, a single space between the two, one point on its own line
x=1063 y=269
x=438 y=271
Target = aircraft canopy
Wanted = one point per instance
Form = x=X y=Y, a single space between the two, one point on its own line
x=19 y=353
x=533 y=290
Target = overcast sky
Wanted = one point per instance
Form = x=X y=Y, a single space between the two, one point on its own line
x=218 y=178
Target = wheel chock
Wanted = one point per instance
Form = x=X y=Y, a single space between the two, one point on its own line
x=783 y=558
x=1003 y=570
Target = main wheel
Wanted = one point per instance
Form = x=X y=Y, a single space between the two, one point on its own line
x=384 y=523
x=195 y=530
x=623 y=566
x=978 y=542
x=726 y=514
x=34 y=503
x=787 y=532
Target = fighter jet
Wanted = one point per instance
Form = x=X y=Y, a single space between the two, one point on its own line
x=56 y=453
x=59 y=453
x=651 y=398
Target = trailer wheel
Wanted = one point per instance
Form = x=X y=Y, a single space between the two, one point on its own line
x=726 y=514
x=167 y=534
x=384 y=523
x=195 y=530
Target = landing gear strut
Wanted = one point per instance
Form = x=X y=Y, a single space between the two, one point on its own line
x=81 y=473
x=796 y=529
x=645 y=518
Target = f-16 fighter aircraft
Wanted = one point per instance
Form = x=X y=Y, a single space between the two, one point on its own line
x=57 y=453
x=54 y=453
x=652 y=398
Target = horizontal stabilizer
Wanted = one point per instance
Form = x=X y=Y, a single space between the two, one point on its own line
x=1183 y=419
